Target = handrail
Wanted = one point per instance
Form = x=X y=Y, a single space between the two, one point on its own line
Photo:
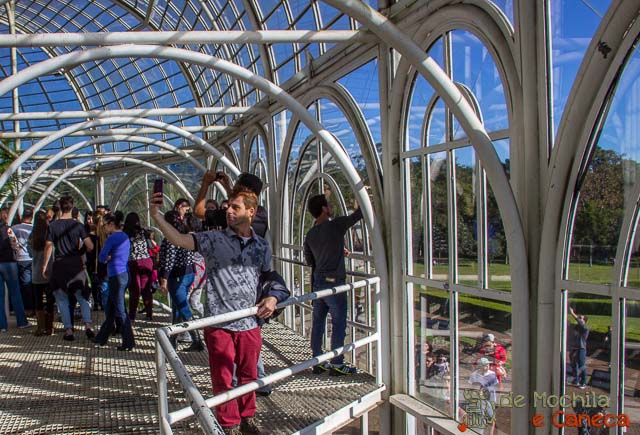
x=200 y=407
x=300 y=263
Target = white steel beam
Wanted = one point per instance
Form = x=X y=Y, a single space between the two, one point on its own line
x=152 y=167
x=201 y=143
x=473 y=127
x=239 y=73
x=142 y=113
x=184 y=38
x=103 y=132
x=62 y=154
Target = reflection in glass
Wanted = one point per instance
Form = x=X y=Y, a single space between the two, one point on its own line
x=484 y=349
x=466 y=208
x=588 y=343
x=497 y=255
x=416 y=203
x=432 y=347
x=631 y=382
x=439 y=216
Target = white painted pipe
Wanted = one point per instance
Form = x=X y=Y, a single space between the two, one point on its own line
x=142 y=113
x=184 y=38
x=103 y=132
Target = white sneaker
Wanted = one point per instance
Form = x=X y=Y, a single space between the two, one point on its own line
x=184 y=337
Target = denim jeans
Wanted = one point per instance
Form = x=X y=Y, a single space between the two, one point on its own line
x=579 y=361
x=337 y=306
x=62 y=299
x=178 y=287
x=9 y=276
x=104 y=292
x=115 y=310
x=26 y=289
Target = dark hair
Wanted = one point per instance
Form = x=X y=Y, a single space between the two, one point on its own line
x=115 y=218
x=27 y=213
x=250 y=182
x=315 y=204
x=75 y=212
x=132 y=224
x=180 y=201
x=66 y=203
x=194 y=224
x=87 y=214
x=172 y=217
x=38 y=237
x=211 y=201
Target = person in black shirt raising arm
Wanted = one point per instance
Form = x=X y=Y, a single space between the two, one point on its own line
x=324 y=252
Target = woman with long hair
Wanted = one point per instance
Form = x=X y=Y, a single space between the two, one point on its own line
x=115 y=253
x=44 y=296
x=140 y=266
x=101 y=268
x=182 y=206
x=176 y=278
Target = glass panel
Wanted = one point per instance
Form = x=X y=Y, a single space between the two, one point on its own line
x=474 y=67
x=416 y=206
x=439 y=215
x=436 y=127
x=419 y=101
x=573 y=24
x=362 y=83
x=484 y=333
x=598 y=219
x=497 y=257
x=467 y=217
x=589 y=325
x=631 y=364
x=432 y=347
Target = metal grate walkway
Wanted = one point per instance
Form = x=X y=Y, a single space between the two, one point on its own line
x=50 y=386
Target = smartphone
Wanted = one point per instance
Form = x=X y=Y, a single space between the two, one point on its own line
x=158 y=185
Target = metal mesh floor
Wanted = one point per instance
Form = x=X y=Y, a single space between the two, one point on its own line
x=50 y=386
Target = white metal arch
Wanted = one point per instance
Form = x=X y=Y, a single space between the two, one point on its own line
x=60 y=155
x=94 y=123
x=337 y=94
x=82 y=56
x=455 y=100
x=585 y=111
x=207 y=61
x=151 y=166
x=66 y=182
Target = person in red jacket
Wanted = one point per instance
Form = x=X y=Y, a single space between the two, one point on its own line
x=496 y=353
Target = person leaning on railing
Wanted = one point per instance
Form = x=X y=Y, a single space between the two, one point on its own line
x=235 y=258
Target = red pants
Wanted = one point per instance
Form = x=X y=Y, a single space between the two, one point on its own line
x=140 y=283
x=226 y=348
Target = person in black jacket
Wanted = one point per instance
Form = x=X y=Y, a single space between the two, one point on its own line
x=216 y=219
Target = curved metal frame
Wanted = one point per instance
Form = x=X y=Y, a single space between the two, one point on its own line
x=83 y=165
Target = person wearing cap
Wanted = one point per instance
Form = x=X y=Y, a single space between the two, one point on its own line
x=485 y=379
x=495 y=353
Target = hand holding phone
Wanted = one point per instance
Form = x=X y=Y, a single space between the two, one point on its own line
x=158 y=185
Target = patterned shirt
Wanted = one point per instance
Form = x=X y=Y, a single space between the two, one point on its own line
x=139 y=246
x=233 y=269
x=174 y=261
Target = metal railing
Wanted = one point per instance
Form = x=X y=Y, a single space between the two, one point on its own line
x=201 y=407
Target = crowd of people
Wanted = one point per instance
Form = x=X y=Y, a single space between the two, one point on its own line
x=54 y=260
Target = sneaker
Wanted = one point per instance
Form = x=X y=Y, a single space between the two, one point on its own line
x=90 y=334
x=232 y=430
x=68 y=337
x=185 y=337
x=264 y=391
x=582 y=387
x=342 y=369
x=25 y=326
x=319 y=369
x=249 y=426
